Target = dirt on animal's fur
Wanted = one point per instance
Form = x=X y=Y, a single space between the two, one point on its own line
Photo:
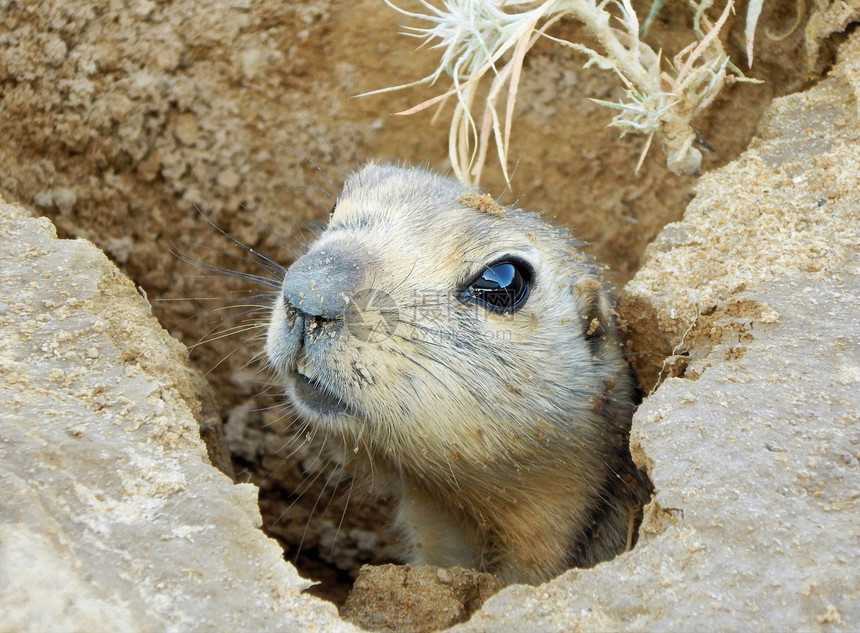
x=128 y=122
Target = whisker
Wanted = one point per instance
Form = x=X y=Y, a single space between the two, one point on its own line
x=332 y=153
x=239 y=329
x=302 y=438
x=237 y=274
x=307 y=482
x=313 y=510
x=258 y=257
x=299 y=493
x=340 y=471
x=216 y=365
x=342 y=515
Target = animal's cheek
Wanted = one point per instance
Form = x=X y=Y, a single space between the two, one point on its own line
x=376 y=379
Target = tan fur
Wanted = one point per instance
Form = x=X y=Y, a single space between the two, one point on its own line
x=504 y=434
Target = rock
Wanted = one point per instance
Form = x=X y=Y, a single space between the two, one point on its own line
x=421 y=599
x=110 y=515
x=786 y=208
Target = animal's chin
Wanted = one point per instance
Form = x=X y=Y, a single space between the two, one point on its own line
x=315 y=398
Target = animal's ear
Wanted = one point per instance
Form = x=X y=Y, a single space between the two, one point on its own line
x=595 y=310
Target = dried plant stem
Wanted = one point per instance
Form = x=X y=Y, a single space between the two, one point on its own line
x=492 y=37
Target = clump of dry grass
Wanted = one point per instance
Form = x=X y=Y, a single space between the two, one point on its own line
x=482 y=39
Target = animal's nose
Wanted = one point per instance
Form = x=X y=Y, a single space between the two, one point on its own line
x=322 y=282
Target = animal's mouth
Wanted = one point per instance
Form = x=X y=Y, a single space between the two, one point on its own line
x=315 y=396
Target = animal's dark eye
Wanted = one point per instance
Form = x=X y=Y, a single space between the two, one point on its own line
x=503 y=286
